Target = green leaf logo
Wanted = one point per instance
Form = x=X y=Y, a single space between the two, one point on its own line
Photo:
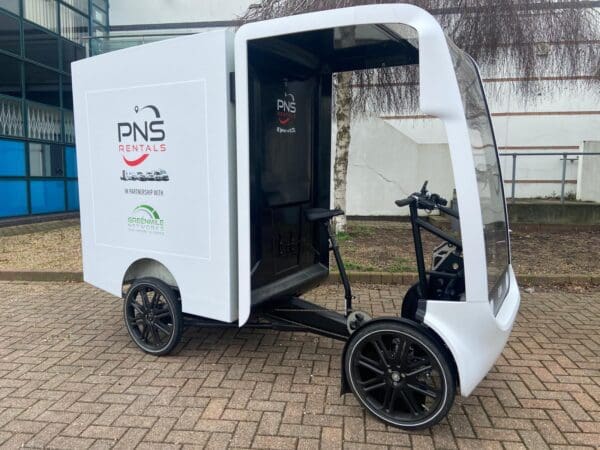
x=149 y=210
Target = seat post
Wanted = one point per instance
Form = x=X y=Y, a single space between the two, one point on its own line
x=341 y=267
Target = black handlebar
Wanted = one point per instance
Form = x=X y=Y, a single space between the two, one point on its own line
x=423 y=199
x=404 y=202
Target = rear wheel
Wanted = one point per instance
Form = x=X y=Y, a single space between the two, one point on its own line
x=400 y=374
x=152 y=314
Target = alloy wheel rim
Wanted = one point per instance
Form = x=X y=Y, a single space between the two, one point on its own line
x=150 y=317
x=398 y=377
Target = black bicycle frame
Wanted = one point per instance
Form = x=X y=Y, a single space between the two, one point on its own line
x=418 y=223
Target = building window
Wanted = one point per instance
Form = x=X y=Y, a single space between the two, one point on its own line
x=69 y=122
x=9 y=34
x=44 y=122
x=71 y=52
x=72 y=196
x=12 y=158
x=14 y=198
x=39 y=39
x=81 y=5
x=47 y=196
x=67 y=92
x=102 y=4
x=74 y=26
x=40 y=45
x=10 y=5
x=46 y=160
x=71 y=160
x=42 y=12
x=11 y=117
x=100 y=16
x=41 y=85
x=10 y=76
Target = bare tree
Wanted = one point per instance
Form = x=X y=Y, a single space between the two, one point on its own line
x=518 y=30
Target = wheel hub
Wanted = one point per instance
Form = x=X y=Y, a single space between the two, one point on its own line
x=148 y=317
x=397 y=379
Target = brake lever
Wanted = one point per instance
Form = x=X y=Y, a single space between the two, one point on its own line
x=426 y=204
x=438 y=200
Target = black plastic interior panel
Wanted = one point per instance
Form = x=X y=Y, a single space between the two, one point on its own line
x=290 y=83
x=290 y=109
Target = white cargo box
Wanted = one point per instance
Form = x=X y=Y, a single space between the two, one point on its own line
x=163 y=107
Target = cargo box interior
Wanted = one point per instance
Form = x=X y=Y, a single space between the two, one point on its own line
x=290 y=101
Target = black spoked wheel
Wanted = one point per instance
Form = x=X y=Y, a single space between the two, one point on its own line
x=400 y=374
x=152 y=314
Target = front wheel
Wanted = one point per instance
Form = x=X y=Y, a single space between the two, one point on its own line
x=152 y=314
x=400 y=374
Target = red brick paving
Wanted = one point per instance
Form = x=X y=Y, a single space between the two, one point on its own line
x=71 y=378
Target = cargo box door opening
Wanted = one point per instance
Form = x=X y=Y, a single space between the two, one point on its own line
x=287 y=174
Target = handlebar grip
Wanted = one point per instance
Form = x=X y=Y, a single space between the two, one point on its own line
x=404 y=202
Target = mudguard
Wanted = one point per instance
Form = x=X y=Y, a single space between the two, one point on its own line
x=345 y=386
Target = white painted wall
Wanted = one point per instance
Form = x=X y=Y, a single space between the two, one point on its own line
x=386 y=165
x=564 y=115
x=127 y=12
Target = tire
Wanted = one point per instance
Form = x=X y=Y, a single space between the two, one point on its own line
x=400 y=374
x=152 y=315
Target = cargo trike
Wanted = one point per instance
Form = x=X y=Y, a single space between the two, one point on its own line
x=241 y=227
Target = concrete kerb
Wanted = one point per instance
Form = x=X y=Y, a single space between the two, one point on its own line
x=403 y=278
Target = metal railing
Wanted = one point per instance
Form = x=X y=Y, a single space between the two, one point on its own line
x=564 y=159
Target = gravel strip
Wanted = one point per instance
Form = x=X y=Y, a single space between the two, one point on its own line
x=383 y=246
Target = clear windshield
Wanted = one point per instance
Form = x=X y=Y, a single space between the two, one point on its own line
x=489 y=178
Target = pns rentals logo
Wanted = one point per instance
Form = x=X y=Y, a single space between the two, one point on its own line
x=286 y=112
x=142 y=137
x=145 y=219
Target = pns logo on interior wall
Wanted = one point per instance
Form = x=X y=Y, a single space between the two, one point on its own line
x=286 y=112
x=142 y=136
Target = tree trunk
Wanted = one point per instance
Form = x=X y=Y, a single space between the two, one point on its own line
x=343 y=108
x=343 y=117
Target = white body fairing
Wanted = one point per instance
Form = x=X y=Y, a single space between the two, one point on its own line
x=470 y=330
x=171 y=98
x=472 y=333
